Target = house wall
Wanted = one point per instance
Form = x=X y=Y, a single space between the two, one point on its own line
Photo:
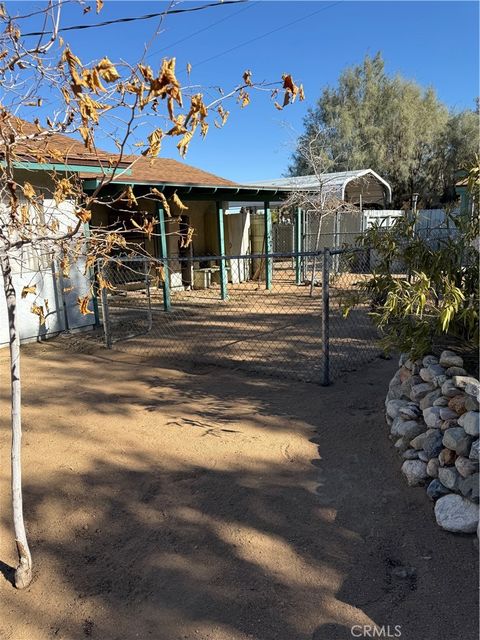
x=56 y=294
x=369 y=188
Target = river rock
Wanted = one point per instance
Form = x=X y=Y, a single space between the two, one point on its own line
x=407 y=429
x=440 y=402
x=419 y=391
x=415 y=471
x=471 y=404
x=455 y=371
x=432 y=467
x=410 y=454
x=446 y=457
x=448 y=424
x=402 y=359
x=447 y=414
x=393 y=407
x=432 y=445
x=410 y=411
x=429 y=399
x=449 y=389
x=469 y=487
x=457 y=404
x=418 y=441
x=449 y=477
x=450 y=359
x=469 y=384
x=401 y=445
x=429 y=360
x=439 y=380
x=427 y=374
x=474 y=450
x=432 y=418
x=457 y=440
x=454 y=513
x=465 y=466
x=436 y=490
x=470 y=421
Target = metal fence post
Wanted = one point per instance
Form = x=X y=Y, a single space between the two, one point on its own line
x=106 y=318
x=326 y=317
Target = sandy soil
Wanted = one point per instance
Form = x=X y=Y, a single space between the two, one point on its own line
x=214 y=505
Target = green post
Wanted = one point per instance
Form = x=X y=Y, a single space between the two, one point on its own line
x=221 y=251
x=268 y=245
x=298 y=245
x=163 y=254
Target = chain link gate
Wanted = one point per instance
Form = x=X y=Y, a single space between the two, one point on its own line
x=228 y=317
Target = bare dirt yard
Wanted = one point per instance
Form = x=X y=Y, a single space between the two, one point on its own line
x=210 y=504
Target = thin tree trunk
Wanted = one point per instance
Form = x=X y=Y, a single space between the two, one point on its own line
x=23 y=573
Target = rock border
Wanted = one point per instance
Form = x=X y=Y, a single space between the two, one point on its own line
x=432 y=410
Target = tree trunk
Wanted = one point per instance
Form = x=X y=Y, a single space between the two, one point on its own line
x=23 y=573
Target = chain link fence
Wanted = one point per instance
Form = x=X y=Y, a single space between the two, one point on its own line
x=252 y=312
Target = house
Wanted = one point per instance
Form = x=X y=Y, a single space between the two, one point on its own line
x=206 y=198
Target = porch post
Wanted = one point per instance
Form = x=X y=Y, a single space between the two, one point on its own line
x=267 y=218
x=163 y=254
x=221 y=250
x=298 y=245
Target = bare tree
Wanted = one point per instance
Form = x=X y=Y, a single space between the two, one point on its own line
x=102 y=100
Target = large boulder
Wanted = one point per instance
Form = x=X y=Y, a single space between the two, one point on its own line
x=454 y=513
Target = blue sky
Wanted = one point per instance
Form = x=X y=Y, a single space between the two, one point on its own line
x=434 y=43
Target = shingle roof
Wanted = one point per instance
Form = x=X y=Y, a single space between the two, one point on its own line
x=59 y=148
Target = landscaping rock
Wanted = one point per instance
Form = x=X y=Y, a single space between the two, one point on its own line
x=429 y=373
x=410 y=454
x=440 y=402
x=393 y=407
x=439 y=380
x=474 y=450
x=418 y=441
x=429 y=399
x=429 y=360
x=446 y=457
x=454 y=513
x=468 y=383
x=469 y=487
x=455 y=371
x=403 y=358
x=407 y=429
x=470 y=421
x=457 y=404
x=447 y=414
x=432 y=467
x=432 y=445
x=410 y=412
x=471 y=404
x=432 y=418
x=457 y=440
x=450 y=359
x=436 y=490
x=415 y=471
x=448 y=424
x=449 y=477
x=401 y=445
x=449 y=389
x=465 y=466
x=423 y=456
x=419 y=391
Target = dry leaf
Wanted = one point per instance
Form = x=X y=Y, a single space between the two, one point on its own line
x=83 y=305
x=31 y=289
x=154 y=143
x=63 y=189
x=99 y=5
x=28 y=191
x=107 y=70
x=182 y=146
x=278 y=106
x=247 y=77
x=84 y=215
x=38 y=311
x=189 y=68
x=159 y=194
x=130 y=197
x=178 y=203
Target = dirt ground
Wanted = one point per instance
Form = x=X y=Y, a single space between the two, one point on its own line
x=209 y=504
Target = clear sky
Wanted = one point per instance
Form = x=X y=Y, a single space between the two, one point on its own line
x=434 y=43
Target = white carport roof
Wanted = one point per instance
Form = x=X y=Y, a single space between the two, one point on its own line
x=336 y=183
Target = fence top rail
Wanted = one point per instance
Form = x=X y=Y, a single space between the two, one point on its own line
x=245 y=256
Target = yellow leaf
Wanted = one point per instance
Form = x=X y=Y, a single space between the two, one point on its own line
x=99 y=5
x=182 y=146
x=159 y=194
x=65 y=266
x=38 y=311
x=154 y=143
x=63 y=189
x=107 y=70
x=178 y=203
x=31 y=289
x=28 y=191
x=84 y=215
x=130 y=197
x=83 y=305
x=247 y=77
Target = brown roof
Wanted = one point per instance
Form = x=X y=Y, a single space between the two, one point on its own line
x=60 y=148
x=168 y=171
x=55 y=147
